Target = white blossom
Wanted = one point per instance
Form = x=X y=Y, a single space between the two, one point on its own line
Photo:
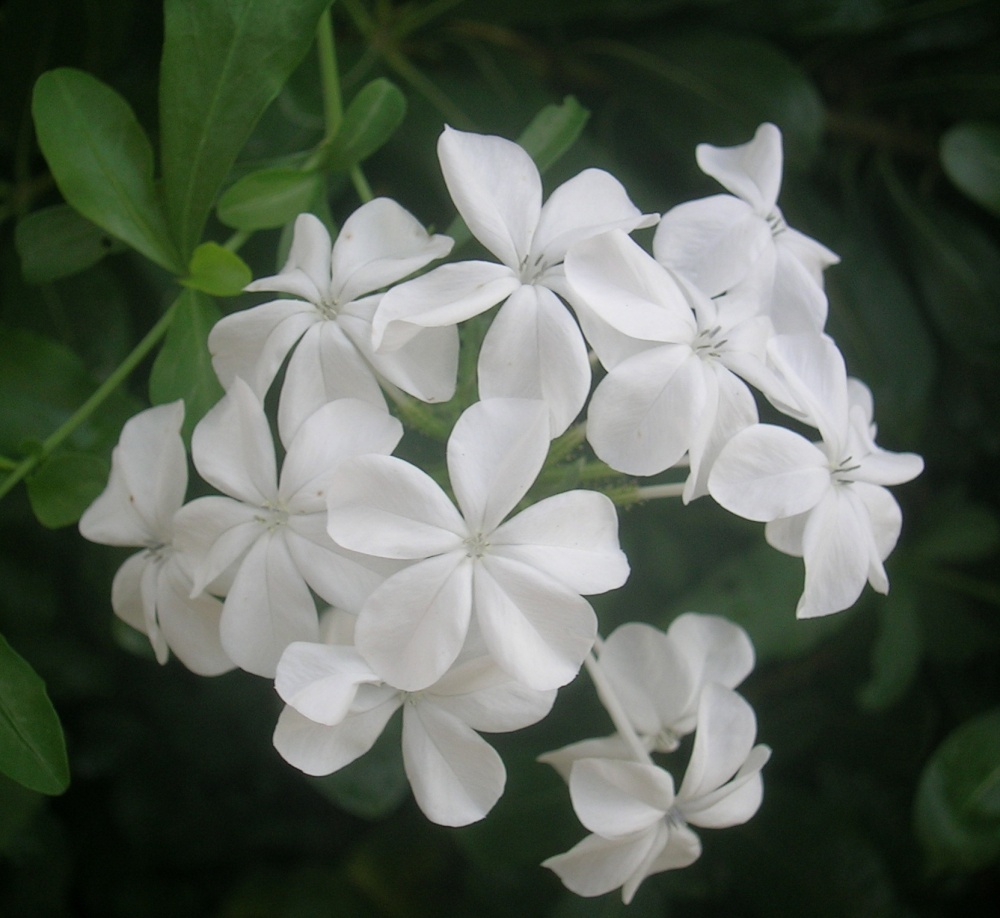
x=328 y=310
x=533 y=349
x=137 y=508
x=267 y=538
x=521 y=579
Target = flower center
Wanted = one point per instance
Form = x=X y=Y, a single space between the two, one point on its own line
x=158 y=552
x=841 y=471
x=532 y=268
x=327 y=306
x=476 y=545
x=273 y=517
x=776 y=222
x=708 y=343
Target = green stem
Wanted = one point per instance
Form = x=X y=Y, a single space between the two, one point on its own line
x=87 y=408
x=333 y=107
x=361 y=185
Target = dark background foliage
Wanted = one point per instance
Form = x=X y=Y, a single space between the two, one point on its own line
x=883 y=794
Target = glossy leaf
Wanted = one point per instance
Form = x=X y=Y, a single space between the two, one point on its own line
x=222 y=65
x=370 y=120
x=217 y=271
x=970 y=155
x=269 y=198
x=101 y=160
x=43 y=383
x=183 y=368
x=32 y=749
x=553 y=131
x=57 y=242
x=957 y=810
x=65 y=485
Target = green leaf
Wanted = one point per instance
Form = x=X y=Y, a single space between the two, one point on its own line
x=269 y=198
x=32 y=749
x=374 y=785
x=183 y=368
x=957 y=810
x=217 y=271
x=101 y=160
x=57 y=242
x=970 y=155
x=65 y=485
x=43 y=383
x=223 y=63
x=897 y=651
x=760 y=590
x=370 y=120
x=553 y=131
x=957 y=532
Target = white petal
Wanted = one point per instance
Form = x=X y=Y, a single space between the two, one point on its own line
x=715 y=242
x=630 y=291
x=232 y=447
x=716 y=649
x=147 y=482
x=190 y=626
x=496 y=188
x=683 y=848
x=729 y=408
x=148 y=592
x=651 y=675
x=837 y=549
x=126 y=591
x=413 y=626
x=253 y=343
x=642 y=415
x=726 y=731
x=307 y=272
x=495 y=452
x=614 y=798
x=884 y=514
x=786 y=533
x=733 y=803
x=597 y=865
x=343 y=578
x=445 y=296
x=268 y=607
x=590 y=203
x=536 y=629
x=379 y=244
x=336 y=432
x=798 y=304
x=751 y=170
x=813 y=369
x=213 y=533
x=381 y=505
x=572 y=537
x=766 y=472
x=321 y=680
x=318 y=749
x=325 y=366
x=455 y=774
x=483 y=696
x=604 y=747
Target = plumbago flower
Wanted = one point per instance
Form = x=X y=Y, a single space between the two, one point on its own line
x=676 y=385
x=824 y=502
x=521 y=579
x=329 y=315
x=337 y=707
x=640 y=825
x=726 y=243
x=657 y=678
x=533 y=348
x=265 y=544
x=151 y=590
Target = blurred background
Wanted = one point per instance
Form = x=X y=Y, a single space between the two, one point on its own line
x=883 y=794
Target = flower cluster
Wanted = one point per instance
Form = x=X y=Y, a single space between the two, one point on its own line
x=457 y=594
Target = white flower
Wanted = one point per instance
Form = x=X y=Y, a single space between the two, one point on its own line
x=269 y=535
x=676 y=387
x=533 y=349
x=658 y=677
x=337 y=708
x=640 y=825
x=726 y=242
x=521 y=579
x=330 y=309
x=825 y=501
x=151 y=589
